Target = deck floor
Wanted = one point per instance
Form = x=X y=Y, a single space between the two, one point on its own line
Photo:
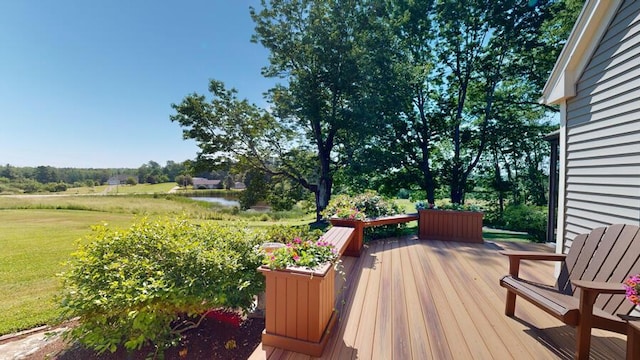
x=411 y=299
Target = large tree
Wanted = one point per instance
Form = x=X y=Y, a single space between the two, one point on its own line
x=337 y=64
x=464 y=58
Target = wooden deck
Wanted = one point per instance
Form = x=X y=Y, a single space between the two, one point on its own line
x=411 y=299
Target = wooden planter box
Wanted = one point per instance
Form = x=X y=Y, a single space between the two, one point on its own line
x=300 y=309
x=354 y=248
x=465 y=226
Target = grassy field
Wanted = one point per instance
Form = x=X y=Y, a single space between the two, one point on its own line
x=121 y=189
x=39 y=232
x=34 y=243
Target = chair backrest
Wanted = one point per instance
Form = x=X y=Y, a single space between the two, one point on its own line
x=608 y=254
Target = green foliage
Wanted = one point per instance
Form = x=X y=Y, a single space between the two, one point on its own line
x=145 y=284
x=424 y=205
x=283 y=195
x=284 y=234
x=56 y=187
x=302 y=253
x=369 y=203
x=256 y=191
x=527 y=218
x=228 y=182
x=403 y=194
x=184 y=180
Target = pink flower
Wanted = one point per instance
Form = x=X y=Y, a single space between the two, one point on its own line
x=632 y=288
x=296 y=257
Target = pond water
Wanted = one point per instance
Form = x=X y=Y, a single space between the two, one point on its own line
x=218 y=200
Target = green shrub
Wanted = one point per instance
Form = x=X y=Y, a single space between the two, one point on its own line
x=367 y=205
x=56 y=187
x=403 y=194
x=527 y=218
x=146 y=284
x=284 y=234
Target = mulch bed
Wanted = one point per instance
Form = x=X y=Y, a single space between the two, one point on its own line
x=217 y=337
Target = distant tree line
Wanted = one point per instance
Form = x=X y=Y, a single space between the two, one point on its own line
x=14 y=179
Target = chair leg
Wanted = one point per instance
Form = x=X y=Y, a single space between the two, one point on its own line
x=633 y=341
x=510 y=304
x=583 y=341
x=583 y=330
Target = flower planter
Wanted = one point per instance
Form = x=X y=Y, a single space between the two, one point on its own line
x=300 y=308
x=465 y=226
x=354 y=248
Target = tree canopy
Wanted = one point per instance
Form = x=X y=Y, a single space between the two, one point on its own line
x=384 y=94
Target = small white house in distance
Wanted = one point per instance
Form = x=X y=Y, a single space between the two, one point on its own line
x=596 y=82
x=202 y=183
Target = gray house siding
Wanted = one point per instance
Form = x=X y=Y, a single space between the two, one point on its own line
x=603 y=132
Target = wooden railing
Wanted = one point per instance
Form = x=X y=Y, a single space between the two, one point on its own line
x=355 y=246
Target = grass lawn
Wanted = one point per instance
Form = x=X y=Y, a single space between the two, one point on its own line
x=38 y=233
x=34 y=243
x=408 y=205
x=121 y=189
x=142 y=188
x=86 y=190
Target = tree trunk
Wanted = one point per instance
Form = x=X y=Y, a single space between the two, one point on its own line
x=323 y=195
x=325 y=183
x=429 y=185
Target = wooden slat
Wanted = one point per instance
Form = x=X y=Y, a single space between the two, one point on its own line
x=349 y=315
x=383 y=344
x=420 y=340
x=456 y=323
x=400 y=308
x=513 y=334
x=452 y=304
x=339 y=237
x=368 y=319
x=391 y=220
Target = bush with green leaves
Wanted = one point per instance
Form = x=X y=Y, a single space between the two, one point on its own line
x=424 y=205
x=285 y=234
x=149 y=283
x=528 y=218
x=367 y=205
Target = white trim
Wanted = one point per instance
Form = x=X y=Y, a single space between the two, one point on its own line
x=562 y=181
x=589 y=29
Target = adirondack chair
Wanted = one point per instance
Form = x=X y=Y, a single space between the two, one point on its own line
x=588 y=292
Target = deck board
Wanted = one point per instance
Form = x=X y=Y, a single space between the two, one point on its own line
x=420 y=340
x=415 y=299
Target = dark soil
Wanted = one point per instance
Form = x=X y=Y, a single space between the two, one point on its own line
x=213 y=339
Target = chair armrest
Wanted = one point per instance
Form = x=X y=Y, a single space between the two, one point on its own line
x=533 y=255
x=599 y=287
x=589 y=291
x=516 y=256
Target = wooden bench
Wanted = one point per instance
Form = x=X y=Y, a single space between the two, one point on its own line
x=588 y=292
x=355 y=246
x=339 y=237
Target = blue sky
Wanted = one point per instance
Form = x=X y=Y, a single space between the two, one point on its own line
x=90 y=83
